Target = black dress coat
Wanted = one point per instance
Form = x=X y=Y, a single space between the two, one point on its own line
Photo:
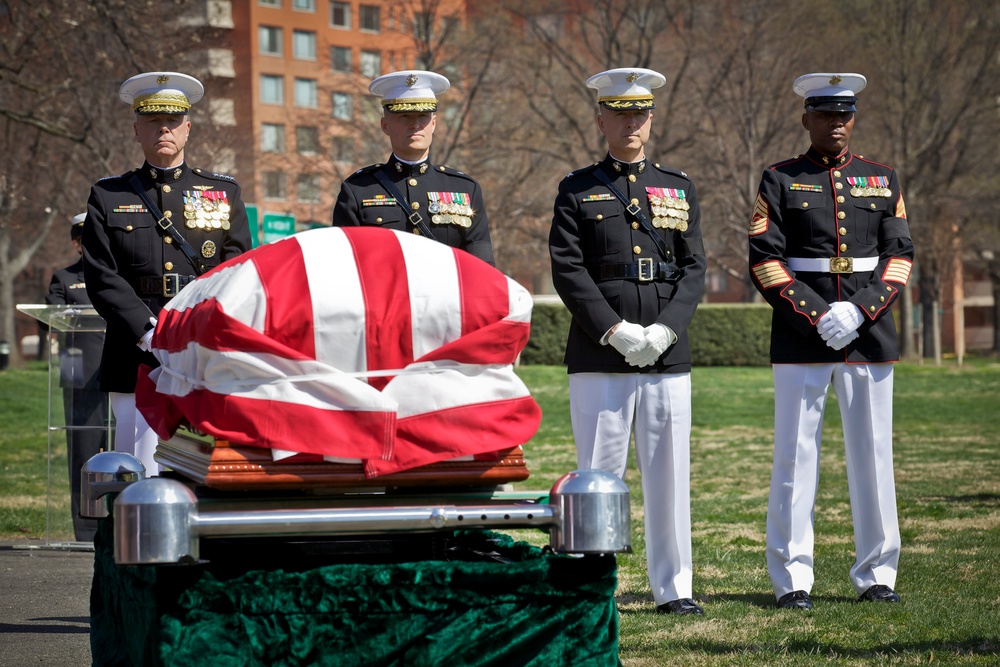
x=816 y=206
x=593 y=239
x=126 y=255
x=450 y=203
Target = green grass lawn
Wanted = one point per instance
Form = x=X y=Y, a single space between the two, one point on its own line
x=947 y=453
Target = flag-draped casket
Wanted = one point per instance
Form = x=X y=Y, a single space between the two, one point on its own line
x=348 y=343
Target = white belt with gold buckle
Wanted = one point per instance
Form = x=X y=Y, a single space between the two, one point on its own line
x=832 y=264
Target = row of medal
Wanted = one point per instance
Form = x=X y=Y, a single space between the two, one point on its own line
x=869 y=186
x=669 y=207
x=206 y=210
x=450 y=208
x=871 y=192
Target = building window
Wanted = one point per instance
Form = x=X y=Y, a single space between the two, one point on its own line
x=340 y=59
x=371 y=109
x=303 y=45
x=306 y=93
x=340 y=15
x=274 y=185
x=343 y=149
x=370 y=64
x=272 y=138
x=368 y=15
x=272 y=89
x=307 y=139
x=307 y=187
x=423 y=26
x=304 y=5
x=341 y=106
x=270 y=40
x=269 y=3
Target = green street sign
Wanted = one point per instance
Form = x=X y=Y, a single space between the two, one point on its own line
x=253 y=222
x=277 y=226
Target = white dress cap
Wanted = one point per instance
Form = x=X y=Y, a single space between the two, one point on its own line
x=830 y=91
x=626 y=87
x=161 y=92
x=409 y=90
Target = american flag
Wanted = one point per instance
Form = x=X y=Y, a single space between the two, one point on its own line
x=348 y=343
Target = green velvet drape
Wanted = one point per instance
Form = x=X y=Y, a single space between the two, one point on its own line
x=491 y=602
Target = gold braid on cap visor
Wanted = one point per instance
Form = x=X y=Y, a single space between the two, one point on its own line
x=161 y=102
x=636 y=102
x=412 y=104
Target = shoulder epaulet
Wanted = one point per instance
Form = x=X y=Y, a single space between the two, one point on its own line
x=669 y=170
x=444 y=169
x=784 y=162
x=366 y=170
x=582 y=170
x=211 y=174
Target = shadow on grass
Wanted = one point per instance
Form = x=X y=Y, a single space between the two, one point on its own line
x=974 y=646
x=759 y=600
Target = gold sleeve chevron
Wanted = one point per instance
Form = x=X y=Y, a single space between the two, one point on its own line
x=758 y=223
x=900 y=207
x=897 y=271
x=770 y=274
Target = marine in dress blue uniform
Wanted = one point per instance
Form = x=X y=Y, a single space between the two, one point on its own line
x=830 y=250
x=85 y=405
x=428 y=198
x=632 y=289
x=132 y=268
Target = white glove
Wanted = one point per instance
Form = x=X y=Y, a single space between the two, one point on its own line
x=145 y=343
x=627 y=338
x=842 y=318
x=659 y=337
x=840 y=342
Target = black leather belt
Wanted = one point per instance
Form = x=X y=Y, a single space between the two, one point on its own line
x=167 y=285
x=643 y=270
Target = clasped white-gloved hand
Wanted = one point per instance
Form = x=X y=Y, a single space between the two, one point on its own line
x=659 y=337
x=146 y=342
x=842 y=319
x=841 y=342
x=627 y=338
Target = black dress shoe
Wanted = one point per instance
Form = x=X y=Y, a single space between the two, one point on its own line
x=795 y=600
x=681 y=607
x=879 y=593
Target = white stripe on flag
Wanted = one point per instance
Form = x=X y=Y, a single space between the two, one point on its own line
x=435 y=299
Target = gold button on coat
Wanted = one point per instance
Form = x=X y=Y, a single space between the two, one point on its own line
x=168 y=239
x=635 y=201
x=415 y=205
x=378 y=219
x=802 y=303
x=872 y=309
x=839 y=186
x=128 y=228
x=637 y=250
x=842 y=230
x=881 y=299
x=841 y=215
x=412 y=181
x=805 y=204
x=873 y=207
x=836 y=173
x=631 y=178
x=840 y=199
x=791 y=292
x=600 y=216
x=416 y=231
x=635 y=225
x=168 y=266
x=843 y=247
x=812 y=313
x=166 y=188
x=168 y=214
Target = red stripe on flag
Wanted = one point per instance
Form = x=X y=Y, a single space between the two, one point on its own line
x=482 y=290
x=468 y=429
x=282 y=272
x=388 y=323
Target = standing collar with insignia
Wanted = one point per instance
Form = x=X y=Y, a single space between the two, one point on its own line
x=397 y=166
x=616 y=167
x=827 y=161
x=158 y=175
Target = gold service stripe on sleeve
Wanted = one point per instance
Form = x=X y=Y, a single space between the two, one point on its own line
x=770 y=274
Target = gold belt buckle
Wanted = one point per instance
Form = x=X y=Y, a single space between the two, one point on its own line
x=645 y=269
x=171 y=284
x=841 y=265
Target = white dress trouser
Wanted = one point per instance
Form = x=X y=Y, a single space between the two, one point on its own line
x=865 y=395
x=604 y=407
x=132 y=434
